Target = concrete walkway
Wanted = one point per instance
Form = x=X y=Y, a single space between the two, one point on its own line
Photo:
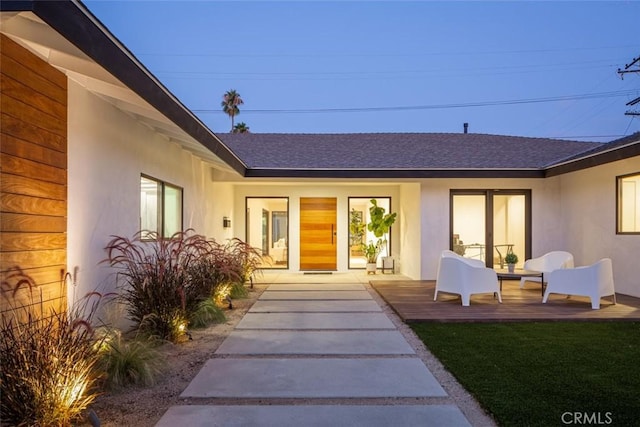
x=310 y=354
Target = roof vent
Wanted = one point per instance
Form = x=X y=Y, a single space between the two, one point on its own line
x=466 y=127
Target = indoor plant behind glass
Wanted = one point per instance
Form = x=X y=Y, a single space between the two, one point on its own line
x=511 y=259
x=371 y=252
x=379 y=224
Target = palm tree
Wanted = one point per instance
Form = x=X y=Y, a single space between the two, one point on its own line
x=230 y=102
x=240 y=128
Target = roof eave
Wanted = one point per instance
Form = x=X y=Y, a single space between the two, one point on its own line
x=618 y=153
x=78 y=25
x=393 y=173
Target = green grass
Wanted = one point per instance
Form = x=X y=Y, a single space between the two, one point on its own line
x=530 y=374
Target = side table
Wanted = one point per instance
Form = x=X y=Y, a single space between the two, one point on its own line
x=519 y=274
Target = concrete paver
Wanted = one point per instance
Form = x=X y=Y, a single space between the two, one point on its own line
x=315 y=321
x=314 y=378
x=319 y=295
x=317 y=287
x=315 y=342
x=315 y=416
x=293 y=306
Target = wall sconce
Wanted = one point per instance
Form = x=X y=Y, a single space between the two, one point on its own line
x=226 y=222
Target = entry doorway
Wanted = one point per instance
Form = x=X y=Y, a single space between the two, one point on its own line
x=318 y=231
x=488 y=224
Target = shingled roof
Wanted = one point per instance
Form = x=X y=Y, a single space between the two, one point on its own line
x=377 y=151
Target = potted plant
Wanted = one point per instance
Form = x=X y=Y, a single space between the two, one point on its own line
x=371 y=252
x=379 y=224
x=511 y=259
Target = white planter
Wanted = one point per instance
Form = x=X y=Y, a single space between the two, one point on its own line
x=372 y=267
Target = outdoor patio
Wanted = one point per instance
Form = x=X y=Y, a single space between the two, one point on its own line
x=413 y=301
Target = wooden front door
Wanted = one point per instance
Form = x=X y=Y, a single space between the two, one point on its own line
x=318 y=241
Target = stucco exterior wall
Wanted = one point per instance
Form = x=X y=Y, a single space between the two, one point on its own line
x=434 y=222
x=410 y=230
x=108 y=150
x=589 y=222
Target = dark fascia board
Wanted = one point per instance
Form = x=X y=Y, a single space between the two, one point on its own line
x=80 y=27
x=622 y=153
x=394 y=173
x=16 y=6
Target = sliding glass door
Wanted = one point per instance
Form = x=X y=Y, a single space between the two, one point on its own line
x=488 y=224
x=509 y=234
x=469 y=225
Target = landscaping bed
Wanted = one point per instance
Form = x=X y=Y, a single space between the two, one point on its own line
x=144 y=406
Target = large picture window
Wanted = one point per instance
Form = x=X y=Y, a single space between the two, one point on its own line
x=628 y=204
x=359 y=217
x=160 y=208
x=267 y=222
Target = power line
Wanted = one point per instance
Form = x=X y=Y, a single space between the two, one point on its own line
x=378 y=54
x=433 y=106
x=530 y=67
x=628 y=69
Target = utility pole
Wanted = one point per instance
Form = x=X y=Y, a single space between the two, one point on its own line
x=629 y=69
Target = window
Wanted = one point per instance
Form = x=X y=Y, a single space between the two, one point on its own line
x=160 y=208
x=267 y=229
x=358 y=232
x=628 y=204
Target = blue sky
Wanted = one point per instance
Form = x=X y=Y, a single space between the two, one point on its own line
x=540 y=69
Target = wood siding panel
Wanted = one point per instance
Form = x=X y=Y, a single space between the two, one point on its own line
x=47 y=294
x=28 y=132
x=28 y=168
x=53 y=274
x=33 y=162
x=12 y=203
x=16 y=184
x=32 y=223
x=27 y=113
x=35 y=65
x=48 y=291
x=30 y=151
x=16 y=90
x=12 y=242
x=32 y=259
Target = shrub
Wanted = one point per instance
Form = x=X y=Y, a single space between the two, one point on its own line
x=206 y=314
x=136 y=361
x=238 y=291
x=48 y=361
x=247 y=259
x=167 y=280
x=159 y=292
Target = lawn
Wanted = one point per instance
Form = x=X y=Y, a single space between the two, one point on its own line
x=544 y=374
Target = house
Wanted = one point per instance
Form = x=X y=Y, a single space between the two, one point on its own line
x=93 y=145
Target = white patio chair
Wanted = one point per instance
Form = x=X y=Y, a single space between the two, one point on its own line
x=546 y=264
x=464 y=276
x=279 y=250
x=593 y=281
